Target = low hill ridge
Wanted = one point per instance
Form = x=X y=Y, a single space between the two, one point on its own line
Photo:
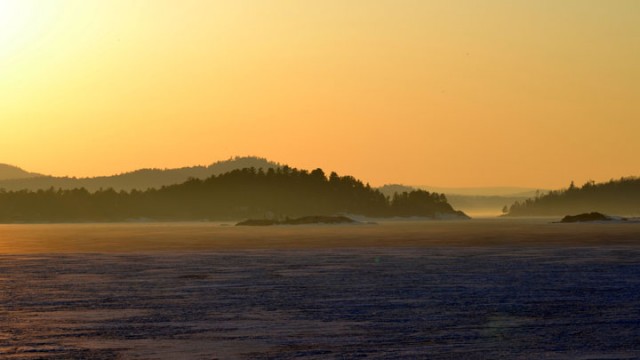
x=139 y=179
x=10 y=172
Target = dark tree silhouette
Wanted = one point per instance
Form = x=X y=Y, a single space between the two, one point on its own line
x=277 y=192
x=620 y=197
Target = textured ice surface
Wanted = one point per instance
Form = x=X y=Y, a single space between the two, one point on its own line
x=476 y=289
x=554 y=302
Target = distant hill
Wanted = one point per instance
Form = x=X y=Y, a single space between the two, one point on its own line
x=140 y=179
x=275 y=193
x=10 y=172
x=616 y=197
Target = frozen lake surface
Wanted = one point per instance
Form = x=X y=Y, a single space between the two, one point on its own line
x=461 y=290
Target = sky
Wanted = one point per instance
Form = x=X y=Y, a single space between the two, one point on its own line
x=443 y=93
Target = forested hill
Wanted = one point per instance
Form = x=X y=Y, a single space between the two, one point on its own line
x=140 y=179
x=616 y=197
x=246 y=193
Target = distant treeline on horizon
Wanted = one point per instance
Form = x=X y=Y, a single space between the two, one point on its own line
x=276 y=192
x=142 y=179
x=616 y=197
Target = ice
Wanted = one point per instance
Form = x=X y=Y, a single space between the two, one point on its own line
x=515 y=289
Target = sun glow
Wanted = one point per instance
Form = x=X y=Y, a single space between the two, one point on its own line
x=23 y=24
x=13 y=22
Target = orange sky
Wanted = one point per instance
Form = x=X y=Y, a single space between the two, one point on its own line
x=448 y=93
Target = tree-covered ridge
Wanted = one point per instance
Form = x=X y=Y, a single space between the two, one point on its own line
x=141 y=179
x=621 y=197
x=244 y=193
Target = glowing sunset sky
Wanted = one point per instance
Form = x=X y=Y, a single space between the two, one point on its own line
x=449 y=93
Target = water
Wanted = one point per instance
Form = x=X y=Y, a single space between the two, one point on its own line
x=395 y=290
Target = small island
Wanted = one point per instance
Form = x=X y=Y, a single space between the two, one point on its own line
x=586 y=217
x=305 y=220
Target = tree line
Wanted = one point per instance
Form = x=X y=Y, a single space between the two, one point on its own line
x=243 y=193
x=616 y=197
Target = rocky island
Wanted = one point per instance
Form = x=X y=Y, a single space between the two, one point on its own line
x=586 y=217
